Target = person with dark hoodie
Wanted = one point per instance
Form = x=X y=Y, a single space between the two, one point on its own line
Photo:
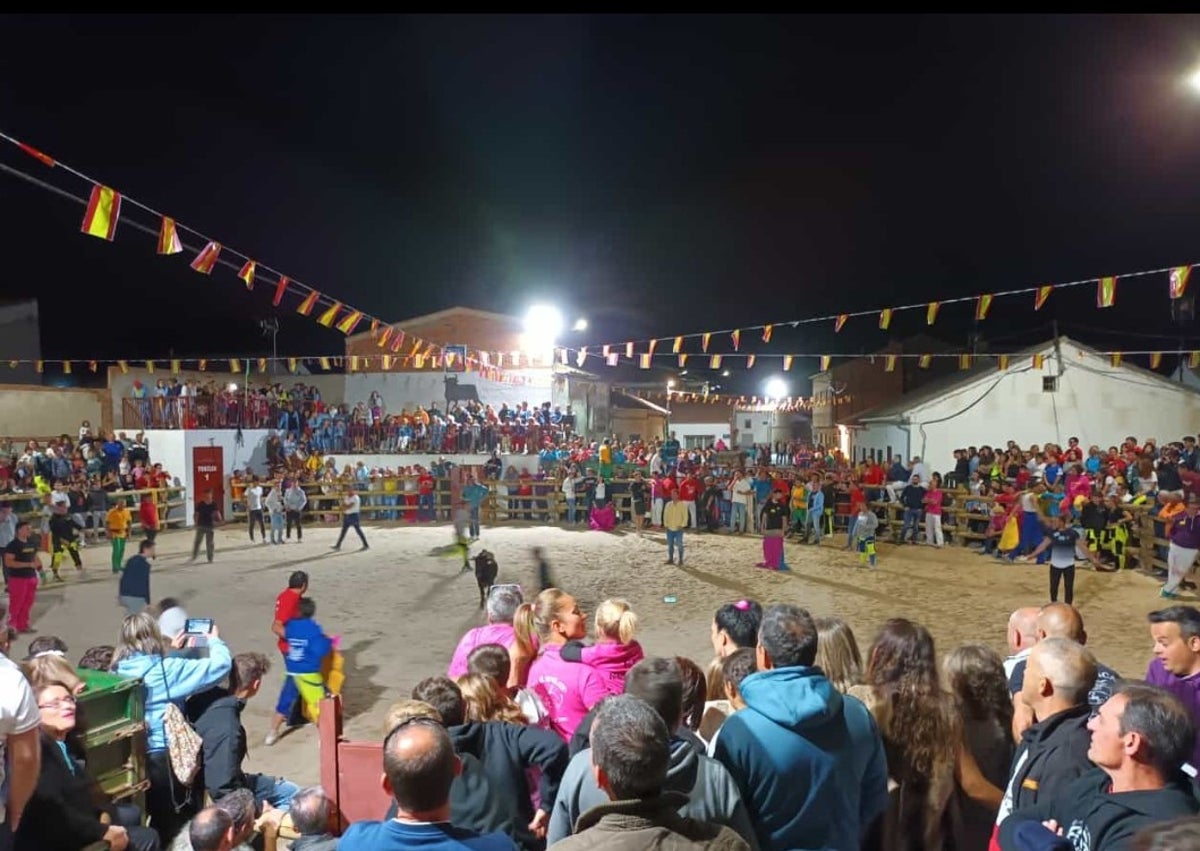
x=712 y=796
x=1140 y=739
x=1053 y=751
x=507 y=752
x=217 y=716
x=809 y=763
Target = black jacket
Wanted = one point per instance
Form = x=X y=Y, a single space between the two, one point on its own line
x=474 y=804
x=1091 y=817
x=64 y=811
x=507 y=751
x=217 y=716
x=1051 y=756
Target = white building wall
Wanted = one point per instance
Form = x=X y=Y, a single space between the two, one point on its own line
x=714 y=430
x=1096 y=402
x=173 y=449
x=884 y=439
x=407 y=389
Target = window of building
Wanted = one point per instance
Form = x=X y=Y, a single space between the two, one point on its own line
x=699 y=441
x=1049 y=383
x=749 y=424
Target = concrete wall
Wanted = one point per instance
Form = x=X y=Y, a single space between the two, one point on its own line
x=28 y=411
x=645 y=423
x=174 y=450
x=409 y=389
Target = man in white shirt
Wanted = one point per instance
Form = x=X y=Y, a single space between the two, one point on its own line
x=742 y=495
x=254 y=508
x=919 y=469
x=20 y=749
x=351 y=503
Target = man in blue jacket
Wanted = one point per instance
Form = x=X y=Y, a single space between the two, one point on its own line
x=808 y=761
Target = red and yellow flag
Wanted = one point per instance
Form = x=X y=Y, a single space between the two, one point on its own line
x=175 y=367
x=123 y=366
x=1115 y=359
x=292 y=364
x=384 y=336
x=207 y=258
x=1040 y=295
x=964 y=361
x=714 y=362
x=677 y=346
x=1106 y=292
x=1194 y=360
x=826 y=360
x=982 y=305
x=1039 y=361
x=44 y=159
x=305 y=307
x=889 y=363
x=329 y=315
x=262 y=364
x=736 y=336
x=1002 y=363
x=92 y=365
x=704 y=342
x=1178 y=280
x=149 y=367
x=247 y=273
x=386 y=363
x=398 y=341
x=840 y=322
x=767 y=333
x=168 y=237
x=324 y=362
x=682 y=359
x=885 y=318
x=653 y=345
x=280 y=288
x=202 y=364
x=787 y=362
x=40 y=366
x=235 y=366
x=350 y=322
x=644 y=361
x=103 y=211
x=629 y=350
x=1156 y=360
x=750 y=361
x=66 y=367
x=931 y=312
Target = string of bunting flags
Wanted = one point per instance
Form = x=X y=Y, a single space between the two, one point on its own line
x=105 y=208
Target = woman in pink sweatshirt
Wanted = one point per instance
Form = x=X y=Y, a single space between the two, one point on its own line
x=502 y=605
x=567 y=690
x=615 y=650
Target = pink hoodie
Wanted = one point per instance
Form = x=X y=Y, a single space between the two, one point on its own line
x=493 y=633
x=568 y=690
x=612 y=661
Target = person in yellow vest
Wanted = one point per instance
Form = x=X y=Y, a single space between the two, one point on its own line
x=799 y=510
x=675 y=518
x=605 y=453
x=118 y=523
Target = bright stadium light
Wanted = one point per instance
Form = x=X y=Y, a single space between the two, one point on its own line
x=232 y=387
x=581 y=324
x=776 y=388
x=543 y=324
x=1193 y=80
x=670 y=383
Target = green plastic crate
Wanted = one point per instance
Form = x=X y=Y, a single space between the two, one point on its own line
x=109 y=706
x=118 y=762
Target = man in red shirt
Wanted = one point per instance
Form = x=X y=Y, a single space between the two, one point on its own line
x=425 y=506
x=287 y=607
x=689 y=488
x=148 y=515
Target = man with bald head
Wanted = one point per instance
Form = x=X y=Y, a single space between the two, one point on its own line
x=1060 y=620
x=419 y=764
x=1021 y=636
x=1058 y=673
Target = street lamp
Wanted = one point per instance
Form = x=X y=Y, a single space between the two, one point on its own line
x=581 y=324
x=543 y=324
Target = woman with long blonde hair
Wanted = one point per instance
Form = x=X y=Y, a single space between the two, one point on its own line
x=837 y=653
x=485 y=701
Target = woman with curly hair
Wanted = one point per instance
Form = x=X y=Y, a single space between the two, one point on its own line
x=975 y=676
x=923 y=739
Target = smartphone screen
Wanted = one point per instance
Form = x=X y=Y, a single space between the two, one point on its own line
x=198 y=626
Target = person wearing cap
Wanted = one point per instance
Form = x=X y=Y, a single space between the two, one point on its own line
x=1184 y=536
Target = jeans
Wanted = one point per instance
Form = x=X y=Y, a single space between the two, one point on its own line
x=571 y=510
x=273 y=790
x=675 y=538
x=256 y=516
x=473 y=525
x=738 y=518
x=276 y=527
x=293 y=518
x=912 y=520
x=132 y=605
x=425 y=507
x=350 y=520
x=1067 y=575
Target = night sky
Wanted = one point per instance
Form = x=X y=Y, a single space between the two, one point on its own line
x=658 y=175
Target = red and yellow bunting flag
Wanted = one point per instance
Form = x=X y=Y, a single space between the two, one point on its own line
x=653 y=345
x=1194 y=360
x=202 y=365
x=235 y=366
x=1156 y=360
x=644 y=361
x=840 y=322
x=310 y=301
x=353 y=367
x=889 y=363
x=1002 y=363
x=750 y=361
x=292 y=365
x=66 y=365
x=419 y=362
x=93 y=366
x=39 y=366
x=604 y=350
x=262 y=364
x=280 y=288
x=704 y=338
x=123 y=366
x=682 y=359
x=1040 y=295
x=736 y=336
x=714 y=362
x=175 y=367
x=44 y=159
x=417 y=343
x=350 y=322
x=103 y=211
x=931 y=312
x=767 y=333
x=1039 y=361
x=384 y=336
x=924 y=361
x=1178 y=280
x=386 y=363
x=787 y=362
x=247 y=273
x=1106 y=292
x=982 y=305
x=677 y=345
x=612 y=359
x=885 y=318
x=826 y=360
x=329 y=315
x=1115 y=359
x=324 y=362
x=207 y=258
x=398 y=341
x=628 y=351
x=168 y=237
x=374 y=328
x=149 y=367
x=964 y=361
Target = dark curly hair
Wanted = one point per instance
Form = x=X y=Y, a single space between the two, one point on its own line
x=975 y=676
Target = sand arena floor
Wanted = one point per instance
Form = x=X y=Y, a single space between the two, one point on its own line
x=400 y=607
